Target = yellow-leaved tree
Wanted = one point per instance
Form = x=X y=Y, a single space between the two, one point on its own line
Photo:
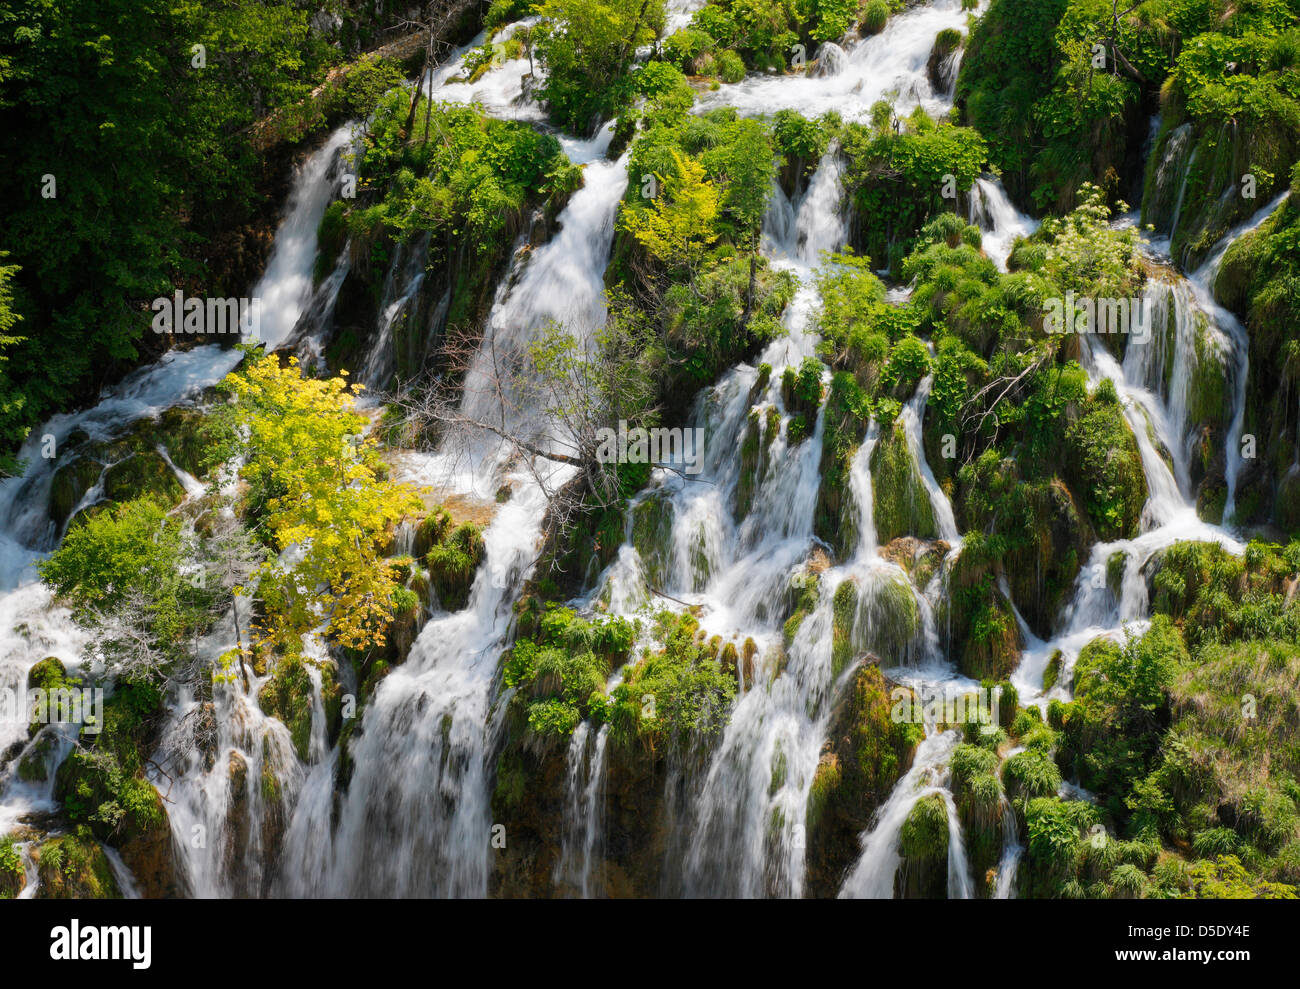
x=317 y=484
x=678 y=228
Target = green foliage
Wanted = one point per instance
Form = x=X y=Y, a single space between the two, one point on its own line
x=896 y=181
x=124 y=227
x=559 y=670
x=678 y=698
x=586 y=47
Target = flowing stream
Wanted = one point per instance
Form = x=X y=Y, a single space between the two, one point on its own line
x=416 y=817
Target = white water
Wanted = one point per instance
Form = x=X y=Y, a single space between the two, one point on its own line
x=890 y=65
x=992 y=211
x=415 y=820
x=873 y=875
x=31 y=625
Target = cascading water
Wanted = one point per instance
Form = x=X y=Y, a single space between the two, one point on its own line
x=31 y=625
x=249 y=817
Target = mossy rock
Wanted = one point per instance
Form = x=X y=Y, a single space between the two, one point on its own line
x=835 y=518
x=69 y=485
x=977 y=792
x=1104 y=467
x=923 y=844
x=1041 y=572
x=74 y=867
x=977 y=619
x=34 y=767
x=103 y=786
x=651 y=536
x=288 y=697
x=140 y=475
x=901 y=503
x=453 y=562
x=865 y=754
x=48 y=674
x=191 y=439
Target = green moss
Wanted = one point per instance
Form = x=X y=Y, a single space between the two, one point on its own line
x=103 y=783
x=139 y=475
x=866 y=753
x=844 y=607
x=69 y=485
x=453 y=561
x=287 y=695
x=875 y=16
x=923 y=844
x=900 y=501
x=1105 y=468
x=74 y=867
x=651 y=536
x=977 y=793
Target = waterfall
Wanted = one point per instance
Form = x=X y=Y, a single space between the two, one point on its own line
x=1203 y=281
x=32 y=627
x=889 y=65
x=992 y=211
x=584 y=798
x=911 y=417
x=1012 y=851
x=404 y=808
x=873 y=875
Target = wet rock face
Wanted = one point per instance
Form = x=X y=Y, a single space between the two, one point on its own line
x=866 y=753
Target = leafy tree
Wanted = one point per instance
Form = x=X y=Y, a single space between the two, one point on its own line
x=316 y=483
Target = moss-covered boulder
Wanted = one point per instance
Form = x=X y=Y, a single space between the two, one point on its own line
x=103 y=786
x=976 y=617
x=835 y=518
x=900 y=501
x=977 y=792
x=48 y=674
x=1041 y=571
x=1104 y=467
x=193 y=439
x=142 y=474
x=74 y=867
x=453 y=561
x=865 y=754
x=652 y=519
x=288 y=697
x=69 y=485
x=923 y=845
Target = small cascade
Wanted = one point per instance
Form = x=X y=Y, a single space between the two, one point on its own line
x=874 y=874
x=1012 y=850
x=890 y=65
x=863 y=491
x=562 y=282
x=911 y=417
x=401 y=286
x=584 y=822
x=831 y=61
x=1202 y=282
x=992 y=211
